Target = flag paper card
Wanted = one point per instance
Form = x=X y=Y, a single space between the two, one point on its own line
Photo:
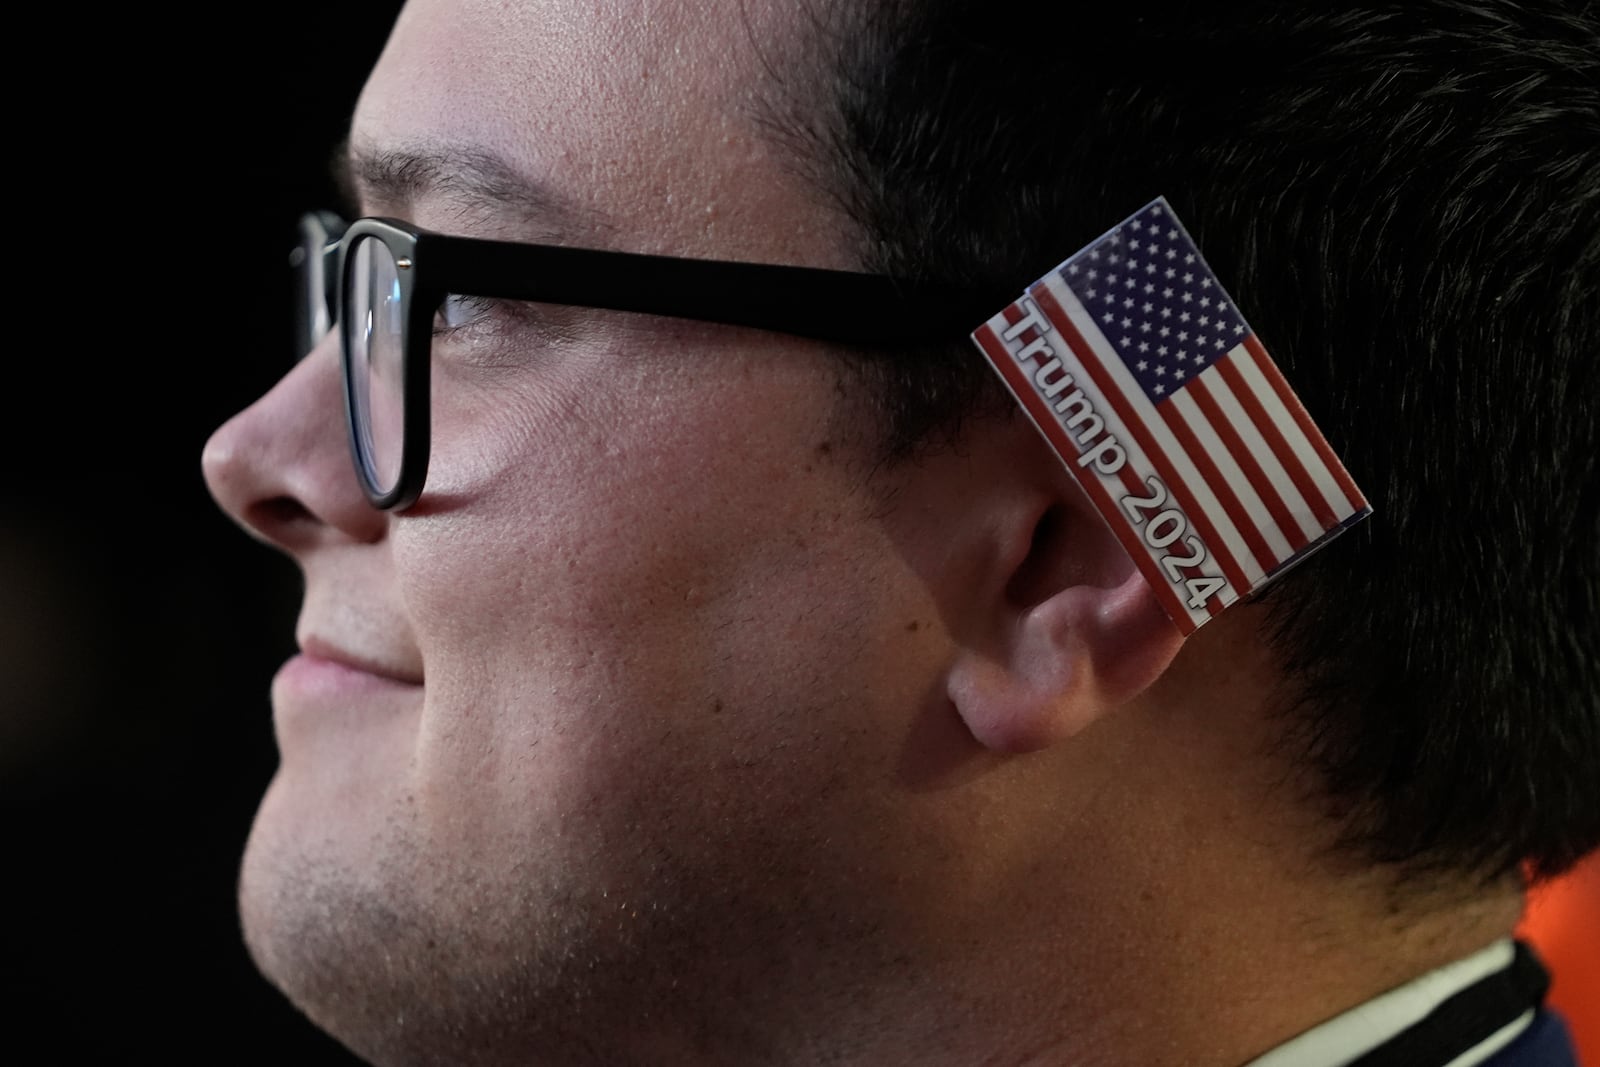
x=1141 y=373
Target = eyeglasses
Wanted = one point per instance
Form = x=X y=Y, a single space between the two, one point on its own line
x=381 y=281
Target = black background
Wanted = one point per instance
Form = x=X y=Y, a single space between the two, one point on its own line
x=161 y=168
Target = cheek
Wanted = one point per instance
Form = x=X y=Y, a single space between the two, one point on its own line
x=619 y=594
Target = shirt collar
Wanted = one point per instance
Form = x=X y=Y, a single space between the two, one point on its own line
x=1366 y=1026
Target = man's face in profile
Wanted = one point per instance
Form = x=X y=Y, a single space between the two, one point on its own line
x=609 y=727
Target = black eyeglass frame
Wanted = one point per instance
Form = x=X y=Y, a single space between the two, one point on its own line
x=844 y=307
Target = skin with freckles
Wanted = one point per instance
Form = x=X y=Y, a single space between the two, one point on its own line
x=669 y=726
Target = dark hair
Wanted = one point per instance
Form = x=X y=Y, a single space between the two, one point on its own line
x=1405 y=200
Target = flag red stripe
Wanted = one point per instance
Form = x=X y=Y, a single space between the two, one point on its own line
x=1285 y=453
x=1224 y=429
x=1091 y=363
x=1068 y=450
x=1297 y=411
x=1264 y=556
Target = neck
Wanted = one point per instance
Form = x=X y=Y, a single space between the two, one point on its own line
x=1159 y=892
x=1193 y=911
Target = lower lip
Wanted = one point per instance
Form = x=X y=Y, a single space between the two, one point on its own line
x=306 y=675
x=320 y=706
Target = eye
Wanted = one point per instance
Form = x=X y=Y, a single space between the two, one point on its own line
x=481 y=329
x=458 y=312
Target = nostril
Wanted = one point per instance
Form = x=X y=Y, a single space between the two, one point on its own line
x=276 y=513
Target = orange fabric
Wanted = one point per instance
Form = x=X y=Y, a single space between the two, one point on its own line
x=1562 y=922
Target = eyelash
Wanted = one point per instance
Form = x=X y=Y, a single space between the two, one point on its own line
x=494 y=329
x=480 y=309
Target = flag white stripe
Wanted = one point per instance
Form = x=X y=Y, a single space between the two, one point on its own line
x=1237 y=480
x=1240 y=419
x=1342 y=506
x=1196 y=486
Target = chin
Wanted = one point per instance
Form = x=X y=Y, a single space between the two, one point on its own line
x=603 y=933
x=406 y=956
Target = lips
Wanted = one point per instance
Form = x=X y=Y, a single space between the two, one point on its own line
x=390 y=668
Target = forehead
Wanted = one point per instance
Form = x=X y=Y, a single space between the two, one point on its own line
x=645 y=118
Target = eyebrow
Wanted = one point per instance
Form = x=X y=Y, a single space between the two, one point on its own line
x=475 y=186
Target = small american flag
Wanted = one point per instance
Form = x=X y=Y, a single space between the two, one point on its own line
x=1142 y=374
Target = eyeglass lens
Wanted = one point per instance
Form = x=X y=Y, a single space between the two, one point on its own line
x=374 y=335
x=313 y=260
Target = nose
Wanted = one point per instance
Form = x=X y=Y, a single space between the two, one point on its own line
x=281 y=467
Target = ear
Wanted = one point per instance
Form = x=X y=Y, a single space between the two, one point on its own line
x=1072 y=630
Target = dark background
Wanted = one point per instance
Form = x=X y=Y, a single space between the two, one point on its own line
x=161 y=171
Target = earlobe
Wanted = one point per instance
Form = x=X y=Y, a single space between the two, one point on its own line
x=1086 y=635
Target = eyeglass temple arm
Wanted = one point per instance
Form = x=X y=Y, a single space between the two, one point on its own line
x=829 y=305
